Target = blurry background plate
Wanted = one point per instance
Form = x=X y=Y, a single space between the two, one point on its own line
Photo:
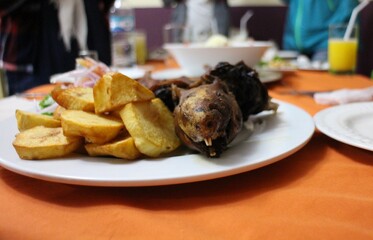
x=314 y=67
x=269 y=76
x=132 y=72
x=170 y=74
x=195 y=56
x=305 y=64
x=282 y=69
x=265 y=76
x=287 y=54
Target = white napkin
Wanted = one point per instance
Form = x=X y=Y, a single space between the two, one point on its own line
x=73 y=22
x=344 y=96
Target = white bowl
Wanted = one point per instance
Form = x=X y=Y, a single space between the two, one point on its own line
x=193 y=58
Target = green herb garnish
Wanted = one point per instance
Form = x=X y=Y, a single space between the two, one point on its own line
x=46 y=101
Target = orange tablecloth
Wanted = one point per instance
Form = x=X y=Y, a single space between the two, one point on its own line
x=323 y=191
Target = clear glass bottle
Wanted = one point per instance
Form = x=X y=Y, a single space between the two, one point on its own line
x=122 y=26
x=122 y=17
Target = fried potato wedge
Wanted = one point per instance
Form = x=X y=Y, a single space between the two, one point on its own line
x=151 y=125
x=74 y=98
x=94 y=128
x=114 y=90
x=42 y=143
x=27 y=120
x=123 y=148
x=57 y=112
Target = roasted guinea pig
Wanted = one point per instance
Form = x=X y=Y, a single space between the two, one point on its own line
x=207 y=118
x=209 y=111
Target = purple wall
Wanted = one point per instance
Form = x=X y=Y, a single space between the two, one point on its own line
x=260 y=26
x=267 y=23
x=152 y=21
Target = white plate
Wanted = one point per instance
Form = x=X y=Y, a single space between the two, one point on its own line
x=304 y=63
x=133 y=72
x=170 y=74
x=194 y=56
x=276 y=138
x=285 y=54
x=265 y=76
x=310 y=68
x=269 y=76
x=350 y=123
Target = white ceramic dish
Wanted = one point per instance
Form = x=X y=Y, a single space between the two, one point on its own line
x=269 y=76
x=276 y=138
x=265 y=76
x=282 y=69
x=314 y=67
x=171 y=74
x=193 y=57
x=305 y=64
x=287 y=54
x=350 y=123
x=132 y=72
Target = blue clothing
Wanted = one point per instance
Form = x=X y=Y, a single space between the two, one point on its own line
x=306 y=28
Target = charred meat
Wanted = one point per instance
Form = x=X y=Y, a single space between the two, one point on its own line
x=243 y=82
x=208 y=118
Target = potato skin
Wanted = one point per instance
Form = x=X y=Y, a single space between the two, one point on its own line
x=57 y=113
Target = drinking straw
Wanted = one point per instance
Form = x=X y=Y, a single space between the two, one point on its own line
x=243 y=23
x=214 y=26
x=352 y=21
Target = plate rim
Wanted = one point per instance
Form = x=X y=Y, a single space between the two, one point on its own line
x=35 y=173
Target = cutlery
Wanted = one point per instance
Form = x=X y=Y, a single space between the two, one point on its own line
x=310 y=93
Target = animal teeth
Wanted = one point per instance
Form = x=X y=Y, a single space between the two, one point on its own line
x=212 y=153
x=208 y=142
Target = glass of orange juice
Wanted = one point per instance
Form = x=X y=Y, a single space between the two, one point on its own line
x=342 y=52
x=140 y=46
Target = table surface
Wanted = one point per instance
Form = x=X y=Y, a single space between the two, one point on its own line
x=324 y=190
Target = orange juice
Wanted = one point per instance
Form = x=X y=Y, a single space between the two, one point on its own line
x=141 y=49
x=342 y=55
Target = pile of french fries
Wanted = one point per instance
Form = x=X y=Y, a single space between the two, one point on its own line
x=118 y=117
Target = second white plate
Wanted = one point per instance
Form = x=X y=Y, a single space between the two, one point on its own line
x=350 y=123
